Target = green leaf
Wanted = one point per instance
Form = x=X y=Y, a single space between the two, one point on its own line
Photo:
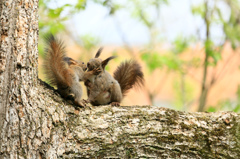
x=81 y=4
x=89 y=41
x=56 y=27
x=152 y=60
x=237 y=108
x=211 y=109
x=55 y=13
x=199 y=10
x=180 y=44
x=155 y=60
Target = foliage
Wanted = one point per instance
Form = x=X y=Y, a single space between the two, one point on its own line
x=231 y=25
x=214 y=14
x=89 y=41
x=155 y=60
x=52 y=20
x=183 y=93
x=212 y=52
x=180 y=44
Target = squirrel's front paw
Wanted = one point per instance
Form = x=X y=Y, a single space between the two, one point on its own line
x=115 y=104
x=96 y=71
x=85 y=101
x=80 y=103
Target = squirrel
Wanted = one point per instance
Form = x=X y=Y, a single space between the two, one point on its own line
x=102 y=88
x=64 y=72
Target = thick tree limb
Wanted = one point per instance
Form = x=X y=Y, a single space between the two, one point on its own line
x=51 y=128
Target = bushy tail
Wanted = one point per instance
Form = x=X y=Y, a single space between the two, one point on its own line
x=55 y=68
x=128 y=75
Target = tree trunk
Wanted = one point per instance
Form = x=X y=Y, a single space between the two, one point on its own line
x=37 y=123
x=18 y=74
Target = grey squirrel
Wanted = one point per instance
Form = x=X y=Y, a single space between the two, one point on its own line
x=64 y=72
x=104 y=89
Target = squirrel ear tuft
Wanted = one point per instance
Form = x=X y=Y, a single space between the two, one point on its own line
x=99 y=52
x=105 y=62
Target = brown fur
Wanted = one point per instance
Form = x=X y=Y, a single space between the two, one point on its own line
x=98 y=52
x=62 y=71
x=55 y=68
x=103 y=89
x=128 y=75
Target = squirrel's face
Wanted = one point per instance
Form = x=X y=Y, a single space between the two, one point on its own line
x=94 y=63
x=82 y=65
x=97 y=62
x=71 y=61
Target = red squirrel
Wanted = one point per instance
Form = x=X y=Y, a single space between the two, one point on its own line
x=102 y=88
x=64 y=72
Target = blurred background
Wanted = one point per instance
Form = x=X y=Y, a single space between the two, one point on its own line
x=189 y=50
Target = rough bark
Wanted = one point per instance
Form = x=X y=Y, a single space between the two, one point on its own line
x=37 y=123
x=52 y=128
x=18 y=70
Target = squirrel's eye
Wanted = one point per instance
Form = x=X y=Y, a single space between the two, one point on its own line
x=83 y=63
